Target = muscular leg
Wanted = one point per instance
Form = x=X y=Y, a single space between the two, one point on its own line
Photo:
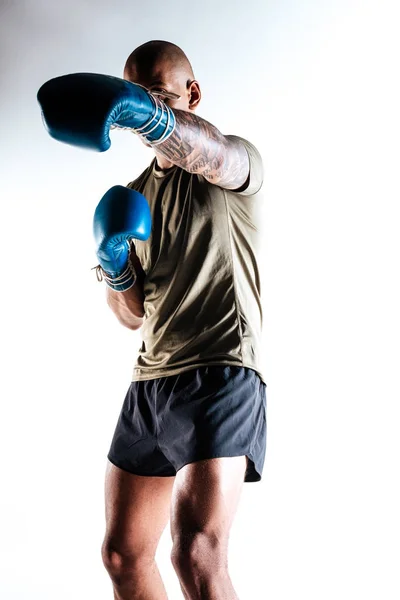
x=137 y=512
x=204 y=502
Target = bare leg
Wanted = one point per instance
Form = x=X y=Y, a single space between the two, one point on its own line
x=137 y=512
x=204 y=502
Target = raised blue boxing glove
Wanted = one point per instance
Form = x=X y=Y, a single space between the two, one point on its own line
x=121 y=216
x=81 y=108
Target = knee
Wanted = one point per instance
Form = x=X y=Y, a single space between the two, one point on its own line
x=119 y=562
x=115 y=561
x=199 y=552
x=112 y=559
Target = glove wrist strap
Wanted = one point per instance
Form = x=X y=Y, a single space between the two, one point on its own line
x=119 y=283
x=157 y=128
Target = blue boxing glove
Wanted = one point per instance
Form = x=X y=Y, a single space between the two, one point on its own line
x=81 y=108
x=121 y=215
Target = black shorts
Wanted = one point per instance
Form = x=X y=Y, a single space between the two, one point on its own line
x=209 y=412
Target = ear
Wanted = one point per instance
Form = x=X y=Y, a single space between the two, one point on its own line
x=194 y=94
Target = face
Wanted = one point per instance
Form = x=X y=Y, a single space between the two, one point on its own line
x=163 y=76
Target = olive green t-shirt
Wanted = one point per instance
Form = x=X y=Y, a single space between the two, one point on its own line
x=202 y=285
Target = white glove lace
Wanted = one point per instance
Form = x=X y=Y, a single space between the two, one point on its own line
x=127 y=276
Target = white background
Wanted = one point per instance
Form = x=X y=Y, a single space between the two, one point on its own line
x=315 y=85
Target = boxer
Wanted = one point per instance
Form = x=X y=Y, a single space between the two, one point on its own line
x=178 y=248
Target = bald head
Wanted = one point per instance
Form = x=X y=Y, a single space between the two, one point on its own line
x=159 y=65
x=156 y=53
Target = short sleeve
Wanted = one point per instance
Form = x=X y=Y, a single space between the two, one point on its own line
x=256 y=176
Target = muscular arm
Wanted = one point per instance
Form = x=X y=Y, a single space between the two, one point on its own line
x=198 y=147
x=128 y=306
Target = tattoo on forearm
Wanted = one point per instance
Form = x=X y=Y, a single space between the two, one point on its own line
x=199 y=147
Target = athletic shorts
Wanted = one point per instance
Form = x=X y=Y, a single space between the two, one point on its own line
x=208 y=412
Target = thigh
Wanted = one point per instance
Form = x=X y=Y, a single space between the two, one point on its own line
x=205 y=497
x=213 y=412
x=137 y=511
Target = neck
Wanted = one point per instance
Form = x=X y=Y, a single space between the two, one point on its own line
x=162 y=162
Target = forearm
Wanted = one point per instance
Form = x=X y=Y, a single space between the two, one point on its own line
x=197 y=146
x=127 y=306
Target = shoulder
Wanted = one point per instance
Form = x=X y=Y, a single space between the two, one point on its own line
x=256 y=174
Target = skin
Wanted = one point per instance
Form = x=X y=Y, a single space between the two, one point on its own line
x=202 y=499
x=128 y=306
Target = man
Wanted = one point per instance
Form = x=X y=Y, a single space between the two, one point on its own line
x=192 y=427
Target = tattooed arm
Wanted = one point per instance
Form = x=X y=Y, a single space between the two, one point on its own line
x=199 y=147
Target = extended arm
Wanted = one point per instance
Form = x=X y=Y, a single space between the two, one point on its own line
x=180 y=136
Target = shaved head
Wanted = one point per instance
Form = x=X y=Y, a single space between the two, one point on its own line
x=161 y=55
x=162 y=67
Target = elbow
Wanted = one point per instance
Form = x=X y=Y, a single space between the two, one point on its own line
x=132 y=322
x=134 y=326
